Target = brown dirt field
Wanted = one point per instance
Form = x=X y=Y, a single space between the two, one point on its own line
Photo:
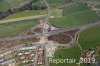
x=38 y=30
x=60 y=38
x=73 y=32
x=63 y=38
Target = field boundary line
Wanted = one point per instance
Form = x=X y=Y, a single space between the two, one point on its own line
x=22 y=18
x=78 y=40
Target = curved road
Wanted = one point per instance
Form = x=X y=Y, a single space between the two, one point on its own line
x=50 y=33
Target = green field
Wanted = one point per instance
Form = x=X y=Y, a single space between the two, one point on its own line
x=55 y=12
x=90 y=38
x=80 y=18
x=73 y=52
x=24 y=14
x=15 y=28
x=74 y=8
x=98 y=6
x=6 y=4
x=55 y=1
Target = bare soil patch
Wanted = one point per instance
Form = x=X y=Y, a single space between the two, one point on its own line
x=60 y=38
x=63 y=38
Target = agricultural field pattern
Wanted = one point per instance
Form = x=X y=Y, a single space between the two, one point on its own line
x=49 y=32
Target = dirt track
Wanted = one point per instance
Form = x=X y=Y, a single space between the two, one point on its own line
x=22 y=18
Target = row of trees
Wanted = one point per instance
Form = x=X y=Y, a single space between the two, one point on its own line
x=28 y=6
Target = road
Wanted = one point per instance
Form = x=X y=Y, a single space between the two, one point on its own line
x=49 y=33
x=36 y=56
x=45 y=53
x=49 y=12
x=45 y=35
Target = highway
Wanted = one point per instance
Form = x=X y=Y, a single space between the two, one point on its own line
x=45 y=35
x=49 y=33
